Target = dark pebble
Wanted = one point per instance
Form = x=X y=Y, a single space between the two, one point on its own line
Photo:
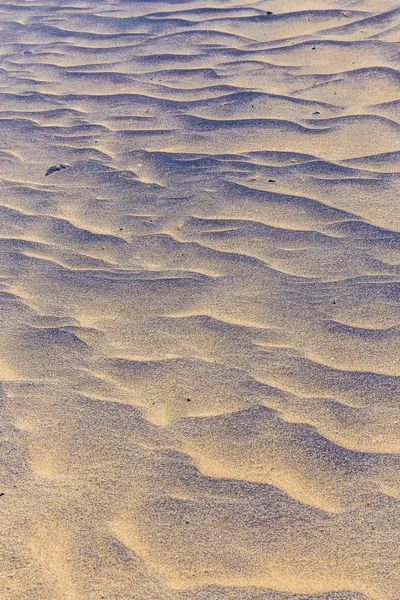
x=55 y=168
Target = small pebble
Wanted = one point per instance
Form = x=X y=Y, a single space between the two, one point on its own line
x=55 y=168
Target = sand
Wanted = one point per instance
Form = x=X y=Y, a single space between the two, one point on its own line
x=199 y=342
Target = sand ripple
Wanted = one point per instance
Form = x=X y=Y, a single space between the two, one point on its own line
x=200 y=333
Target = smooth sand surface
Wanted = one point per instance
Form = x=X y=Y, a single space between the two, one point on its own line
x=200 y=342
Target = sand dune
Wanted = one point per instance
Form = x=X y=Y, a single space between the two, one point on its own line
x=200 y=333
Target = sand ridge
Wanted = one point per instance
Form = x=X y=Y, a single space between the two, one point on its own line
x=199 y=342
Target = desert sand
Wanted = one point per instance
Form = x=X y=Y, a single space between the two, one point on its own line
x=200 y=342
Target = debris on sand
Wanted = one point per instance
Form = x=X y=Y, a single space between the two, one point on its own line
x=55 y=168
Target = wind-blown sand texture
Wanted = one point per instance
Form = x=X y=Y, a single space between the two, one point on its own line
x=200 y=300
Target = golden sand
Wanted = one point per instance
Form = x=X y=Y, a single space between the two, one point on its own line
x=199 y=342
